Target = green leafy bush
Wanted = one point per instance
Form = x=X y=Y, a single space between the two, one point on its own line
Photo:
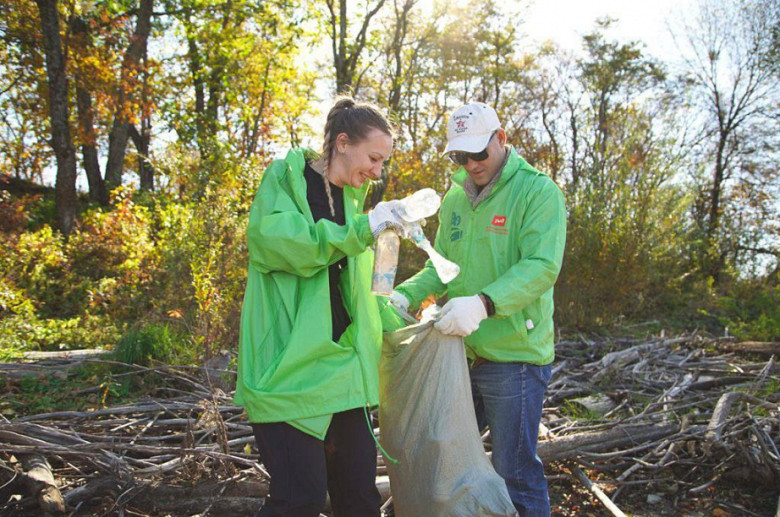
x=19 y=333
x=752 y=312
x=622 y=259
x=37 y=262
x=154 y=342
x=14 y=300
x=200 y=234
x=116 y=256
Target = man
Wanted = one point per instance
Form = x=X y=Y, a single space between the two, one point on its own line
x=504 y=223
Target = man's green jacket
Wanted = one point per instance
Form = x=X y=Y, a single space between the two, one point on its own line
x=289 y=369
x=509 y=247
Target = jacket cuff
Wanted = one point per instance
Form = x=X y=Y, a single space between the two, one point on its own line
x=362 y=228
x=490 y=308
x=493 y=297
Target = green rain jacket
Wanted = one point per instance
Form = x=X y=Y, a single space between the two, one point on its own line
x=509 y=247
x=289 y=369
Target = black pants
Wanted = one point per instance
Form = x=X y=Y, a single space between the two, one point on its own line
x=303 y=468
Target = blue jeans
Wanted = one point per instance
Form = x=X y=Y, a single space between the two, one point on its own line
x=508 y=398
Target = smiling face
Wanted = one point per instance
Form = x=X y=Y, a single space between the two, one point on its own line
x=354 y=162
x=483 y=171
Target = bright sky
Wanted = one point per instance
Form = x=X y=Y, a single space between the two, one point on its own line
x=566 y=21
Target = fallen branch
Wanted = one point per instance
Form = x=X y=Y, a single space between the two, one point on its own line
x=40 y=484
x=573 y=445
x=604 y=498
x=722 y=410
x=766 y=348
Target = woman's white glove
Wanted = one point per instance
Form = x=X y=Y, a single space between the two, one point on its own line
x=383 y=216
x=461 y=316
x=399 y=301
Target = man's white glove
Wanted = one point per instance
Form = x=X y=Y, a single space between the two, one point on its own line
x=384 y=216
x=461 y=316
x=399 y=301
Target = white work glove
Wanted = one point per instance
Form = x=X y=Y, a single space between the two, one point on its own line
x=399 y=301
x=384 y=216
x=461 y=316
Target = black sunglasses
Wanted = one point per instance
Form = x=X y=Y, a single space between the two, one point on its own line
x=462 y=157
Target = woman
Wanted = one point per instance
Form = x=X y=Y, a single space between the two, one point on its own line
x=310 y=328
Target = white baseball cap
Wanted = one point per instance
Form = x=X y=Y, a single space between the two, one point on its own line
x=470 y=127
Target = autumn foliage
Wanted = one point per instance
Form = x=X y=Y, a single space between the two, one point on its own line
x=173 y=108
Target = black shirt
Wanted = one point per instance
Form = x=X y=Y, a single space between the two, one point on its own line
x=320 y=209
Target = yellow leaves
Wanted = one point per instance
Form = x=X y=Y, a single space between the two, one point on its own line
x=42 y=248
x=104 y=388
x=95 y=70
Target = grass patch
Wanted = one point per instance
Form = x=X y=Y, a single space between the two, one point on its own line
x=82 y=388
x=152 y=343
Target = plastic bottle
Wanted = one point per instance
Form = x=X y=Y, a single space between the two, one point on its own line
x=416 y=207
x=423 y=203
x=446 y=269
x=412 y=209
x=385 y=263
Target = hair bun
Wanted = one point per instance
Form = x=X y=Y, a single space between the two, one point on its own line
x=344 y=103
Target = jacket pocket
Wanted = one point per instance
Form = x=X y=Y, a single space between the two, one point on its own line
x=532 y=316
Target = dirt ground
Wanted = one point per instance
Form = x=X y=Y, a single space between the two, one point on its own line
x=569 y=498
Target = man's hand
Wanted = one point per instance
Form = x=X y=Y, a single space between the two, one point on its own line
x=461 y=316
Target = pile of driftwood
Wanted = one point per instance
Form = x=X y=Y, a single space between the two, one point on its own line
x=669 y=418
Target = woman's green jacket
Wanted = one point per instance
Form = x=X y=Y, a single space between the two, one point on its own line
x=289 y=369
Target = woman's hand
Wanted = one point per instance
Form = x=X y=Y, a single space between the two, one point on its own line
x=384 y=216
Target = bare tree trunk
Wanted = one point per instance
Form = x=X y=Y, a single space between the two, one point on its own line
x=195 y=63
x=252 y=137
x=716 y=260
x=216 y=89
x=120 y=131
x=205 y=82
x=575 y=165
x=347 y=53
x=717 y=182
x=65 y=187
x=97 y=187
x=85 y=114
x=145 y=169
x=399 y=36
x=141 y=141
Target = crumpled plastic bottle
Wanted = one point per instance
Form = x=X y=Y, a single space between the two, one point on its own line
x=416 y=207
x=446 y=269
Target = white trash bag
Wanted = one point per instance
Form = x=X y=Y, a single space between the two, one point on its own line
x=428 y=424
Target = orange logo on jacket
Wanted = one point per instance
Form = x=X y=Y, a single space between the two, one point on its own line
x=499 y=220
